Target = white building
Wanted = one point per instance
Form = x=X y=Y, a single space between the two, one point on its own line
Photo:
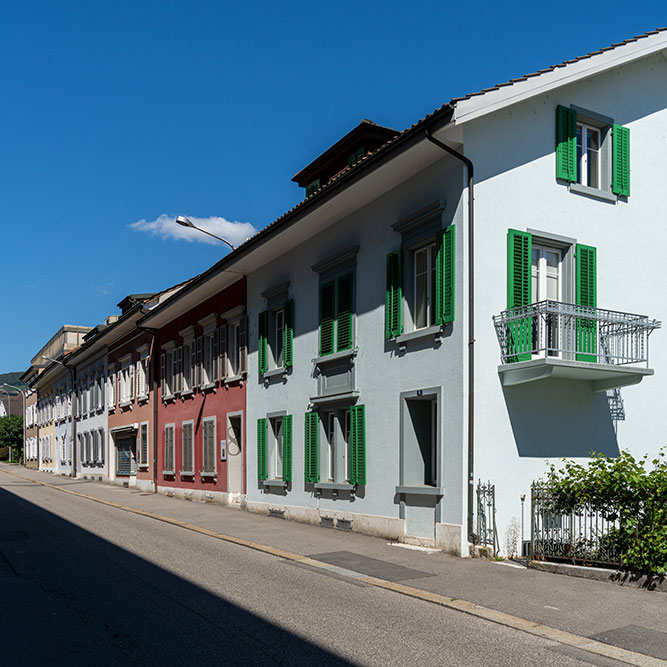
x=379 y=390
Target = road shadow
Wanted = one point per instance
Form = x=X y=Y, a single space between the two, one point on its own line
x=92 y=602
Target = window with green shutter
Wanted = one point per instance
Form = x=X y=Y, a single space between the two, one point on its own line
x=586 y=288
x=444 y=276
x=312 y=188
x=262 y=328
x=287 y=448
x=592 y=153
x=288 y=333
x=358 y=445
x=337 y=315
x=261 y=449
x=356 y=156
x=519 y=256
x=311 y=453
x=393 y=320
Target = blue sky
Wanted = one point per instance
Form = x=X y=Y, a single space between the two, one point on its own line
x=118 y=116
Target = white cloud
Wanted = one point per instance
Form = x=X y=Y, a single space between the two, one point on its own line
x=165 y=226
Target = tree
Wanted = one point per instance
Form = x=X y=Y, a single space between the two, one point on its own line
x=11 y=432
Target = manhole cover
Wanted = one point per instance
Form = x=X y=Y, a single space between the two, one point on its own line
x=371 y=566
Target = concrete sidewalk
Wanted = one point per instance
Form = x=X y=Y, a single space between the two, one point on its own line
x=626 y=617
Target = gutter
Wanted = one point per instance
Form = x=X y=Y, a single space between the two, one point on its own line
x=154 y=373
x=471 y=321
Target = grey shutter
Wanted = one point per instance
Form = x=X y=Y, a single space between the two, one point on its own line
x=163 y=372
x=216 y=355
x=198 y=362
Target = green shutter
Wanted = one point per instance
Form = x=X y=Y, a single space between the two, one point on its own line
x=288 y=332
x=358 y=445
x=344 y=324
x=393 y=325
x=287 y=448
x=263 y=325
x=444 y=276
x=620 y=180
x=586 y=296
x=566 y=144
x=261 y=449
x=519 y=265
x=311 y=459
x=327 y=317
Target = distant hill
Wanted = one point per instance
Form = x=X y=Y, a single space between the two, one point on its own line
x=12 y=378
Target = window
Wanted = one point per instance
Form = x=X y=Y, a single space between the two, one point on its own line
x=208 y=447
x=337 y=442
x=168 y=449
x=143 y=445
x=276 y=336
x=187 y=384
x=167 y=384
x=345 y=446
x=102 y=444
x=143 y=373
x=233 y=348
x=126 y=381
x=312 y=187
x=419 y=441
x=539 y=268
x=187 y=436
x=111 y=389
x=356 y=156
x=592 y=153
x=336 y=315
x=274 y=458
x=429 y=296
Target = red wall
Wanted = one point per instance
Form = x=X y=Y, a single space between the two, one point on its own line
x=198 y=406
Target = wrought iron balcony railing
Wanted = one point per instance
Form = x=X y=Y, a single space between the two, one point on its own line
x=573 y=333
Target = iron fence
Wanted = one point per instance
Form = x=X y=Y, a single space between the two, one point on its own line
x=487 y=535
x=582 y=536
x=572 y=332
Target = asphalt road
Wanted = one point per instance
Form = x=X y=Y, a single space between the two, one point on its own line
x=87 y=584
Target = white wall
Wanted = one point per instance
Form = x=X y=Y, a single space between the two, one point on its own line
x=514 y=157
x=382 y=373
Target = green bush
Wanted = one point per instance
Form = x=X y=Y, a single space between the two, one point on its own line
x=622 y=489
x=4 y=453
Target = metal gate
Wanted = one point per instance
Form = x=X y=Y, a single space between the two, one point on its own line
x=487 y=534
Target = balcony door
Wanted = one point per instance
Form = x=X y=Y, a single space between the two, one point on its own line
x=547 y=284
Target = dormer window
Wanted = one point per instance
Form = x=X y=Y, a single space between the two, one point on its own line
x=312 y=188
x=356 y=156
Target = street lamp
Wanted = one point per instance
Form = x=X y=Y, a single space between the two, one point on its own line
x=186 y=222
x=11 y=386
x=72 y=372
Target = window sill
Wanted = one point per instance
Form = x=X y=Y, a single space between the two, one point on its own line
x=276 y=372
x=420 y=490
x=209 y=475
x=142 y=399
x=207 y=387
x=274 y=482
x=335 y=486
x=336 y=356
x=232 y=379
x=595 y=193
x=428 y=332
x=348 y=396
x=125 y=404
x=167 y=399
x=187 y=394
x=168 y=473
x=185 y=474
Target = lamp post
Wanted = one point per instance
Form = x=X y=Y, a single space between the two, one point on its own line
x=72 y=372
x=186 y=222
x=11 y=386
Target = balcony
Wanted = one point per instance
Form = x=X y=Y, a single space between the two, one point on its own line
x=563 y=340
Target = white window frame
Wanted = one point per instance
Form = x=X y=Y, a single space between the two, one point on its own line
x=143 y=373
x=429 y=248
x=275 y=446
x=583 y=164
x=143 y=462
x=336 y=427
x=102 y=443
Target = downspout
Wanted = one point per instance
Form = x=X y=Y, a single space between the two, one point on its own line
x=471 y=322
x=154 y=374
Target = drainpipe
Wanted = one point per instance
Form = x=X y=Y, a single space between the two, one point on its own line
x=154 y=373
x=471 y=322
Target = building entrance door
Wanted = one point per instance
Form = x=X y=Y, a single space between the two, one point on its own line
x=126 y=457
x=235 y=454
